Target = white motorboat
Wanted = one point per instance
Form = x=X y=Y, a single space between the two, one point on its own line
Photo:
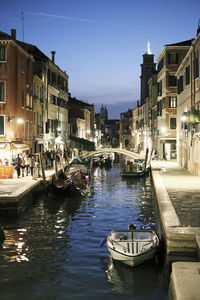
x=132 y=247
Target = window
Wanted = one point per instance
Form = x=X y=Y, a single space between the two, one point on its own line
x=187 y=75
x=31 y=130
x=2 y=91
x=172 y=80
x=196 y=64
x=159 y=108
x=37 y=118
x=163 y=103
x=172 y=123
x=27 y=129
x=31 y=101
x=23 y=98
x=34 y=91
x=172 y=58
x=27 y=100
x=2 y=53
x=180 y=84
x=160 y=65
x=53 y=99
x=172 y=102
x=2 y=125
x=160 y=88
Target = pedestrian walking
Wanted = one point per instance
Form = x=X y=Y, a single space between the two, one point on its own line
x=32 y=164
x=23 y=165
x=18 y=162
x=52 y=157
x=27 y=164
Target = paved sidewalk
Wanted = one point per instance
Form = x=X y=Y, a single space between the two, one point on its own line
x=178 y=198
x=12 y=187
x=183 y=190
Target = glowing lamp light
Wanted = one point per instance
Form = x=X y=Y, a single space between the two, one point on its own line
x=183 y=118
x=20 y=121
x=163 y=129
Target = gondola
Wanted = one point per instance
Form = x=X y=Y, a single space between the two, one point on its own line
x=62 y=186
x=80 y=178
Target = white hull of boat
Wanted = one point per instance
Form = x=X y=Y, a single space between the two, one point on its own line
x=132 y=261
x=132 y=247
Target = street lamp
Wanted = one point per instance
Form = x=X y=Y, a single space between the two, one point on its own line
x=183 y=118
x=163 y=129
x=19 y=120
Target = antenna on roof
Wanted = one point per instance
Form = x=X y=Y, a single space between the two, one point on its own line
x=22 y=13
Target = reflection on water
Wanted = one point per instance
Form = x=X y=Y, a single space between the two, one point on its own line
x=52 y=251
x=139 y=280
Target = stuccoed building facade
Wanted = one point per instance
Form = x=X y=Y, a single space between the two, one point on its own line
x=16 y=98
x=81 y=120
x=168 y=120
x=168 y=60
x=188 y=109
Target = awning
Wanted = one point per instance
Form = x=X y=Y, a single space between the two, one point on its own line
x=20 y=146
x=81 y=143
x=39 y=140
x=14 y=146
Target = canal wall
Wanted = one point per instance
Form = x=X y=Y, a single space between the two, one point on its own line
x=181 y=242
x=17 y=194
x=16 y=202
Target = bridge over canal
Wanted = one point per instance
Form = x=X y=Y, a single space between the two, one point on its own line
x=114 y=150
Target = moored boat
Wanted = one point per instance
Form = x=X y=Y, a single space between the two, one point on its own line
x=62 y=186
x=80 y=177
x=132 y=247
x=138 y=167
x=136 y=173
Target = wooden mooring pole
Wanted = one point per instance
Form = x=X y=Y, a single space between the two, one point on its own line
x=43 y=172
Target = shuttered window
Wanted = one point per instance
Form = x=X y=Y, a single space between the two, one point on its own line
x=172 y=58
x=2 y=53
x=187 y=75
x=2 y=125
x=2 y=91
x=172 y=80
x=172 y=123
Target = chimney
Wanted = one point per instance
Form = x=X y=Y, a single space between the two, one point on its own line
x=13 y=34
x=53 y=56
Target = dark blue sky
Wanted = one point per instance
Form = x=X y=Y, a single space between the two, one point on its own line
x=100 y=43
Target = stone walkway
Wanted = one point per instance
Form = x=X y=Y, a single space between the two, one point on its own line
x=183 y=190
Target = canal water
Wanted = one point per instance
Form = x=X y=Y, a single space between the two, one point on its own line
x=53 y=251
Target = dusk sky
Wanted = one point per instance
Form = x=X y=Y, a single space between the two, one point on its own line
x=100 y=43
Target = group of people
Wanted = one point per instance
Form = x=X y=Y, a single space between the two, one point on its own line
x=56 y=155
x=28 y=163
x=25 y=164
